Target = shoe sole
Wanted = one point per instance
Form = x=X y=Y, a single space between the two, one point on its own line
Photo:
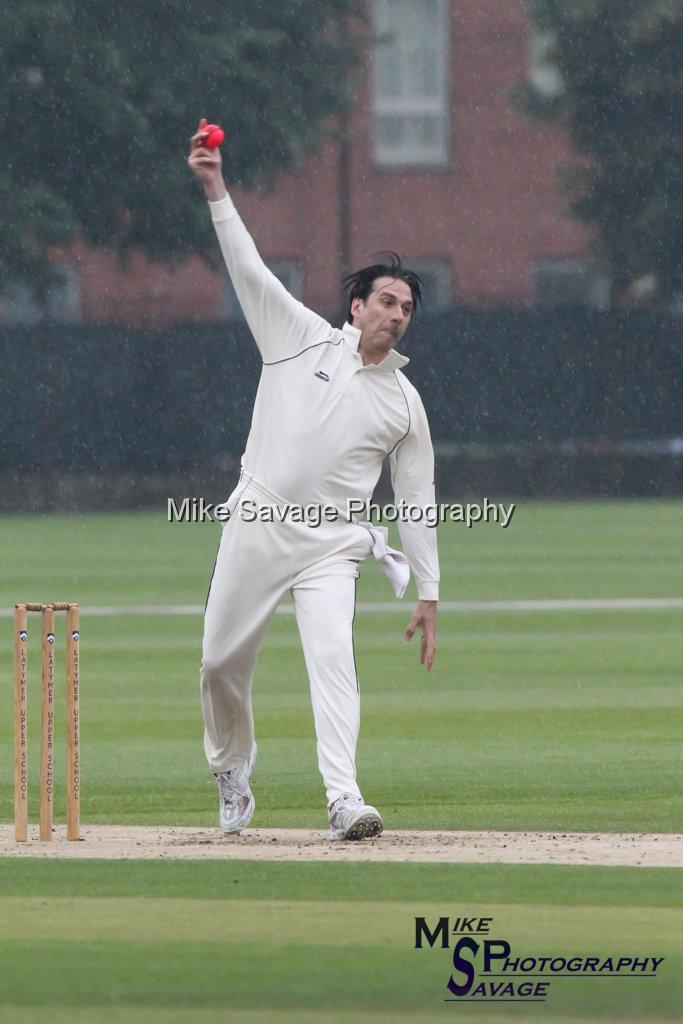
x=367 y=826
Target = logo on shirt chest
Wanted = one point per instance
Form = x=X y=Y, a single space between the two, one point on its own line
x=321 y=375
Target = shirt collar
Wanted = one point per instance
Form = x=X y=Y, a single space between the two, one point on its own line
x=392 y=361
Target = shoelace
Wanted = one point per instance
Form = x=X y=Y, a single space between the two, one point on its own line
x=344 y=804
x=229 y=786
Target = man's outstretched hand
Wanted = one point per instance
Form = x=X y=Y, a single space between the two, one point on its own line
x=206 y=164
x=424 y=618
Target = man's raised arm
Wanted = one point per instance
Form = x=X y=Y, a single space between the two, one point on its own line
x=282 y=326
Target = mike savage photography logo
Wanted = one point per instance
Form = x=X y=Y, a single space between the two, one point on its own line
x=488 y=969
x=197 y=510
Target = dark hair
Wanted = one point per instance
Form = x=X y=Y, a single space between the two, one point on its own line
x=360 y=283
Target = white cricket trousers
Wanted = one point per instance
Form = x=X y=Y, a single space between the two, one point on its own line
x=257 y=563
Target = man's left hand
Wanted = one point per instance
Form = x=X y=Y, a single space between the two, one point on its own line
x=424 y=617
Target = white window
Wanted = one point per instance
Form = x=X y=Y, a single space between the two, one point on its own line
x=410 y=82
x=62 y=303
x=544 y=74
x=569 y=282
x=287 y=271
x=437 y=292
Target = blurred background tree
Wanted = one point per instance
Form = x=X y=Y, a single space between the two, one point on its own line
x=615 y=82
x=98 y=100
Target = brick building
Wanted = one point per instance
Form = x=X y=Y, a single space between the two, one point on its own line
x=441 y=168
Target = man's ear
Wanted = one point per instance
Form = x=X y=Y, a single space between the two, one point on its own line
x=355 y=306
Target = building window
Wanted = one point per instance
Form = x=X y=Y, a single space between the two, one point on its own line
x=437 y=292
x=287 y=271
x=410 y=82
x=559 y=283
x=62 y=304
x=544 y=74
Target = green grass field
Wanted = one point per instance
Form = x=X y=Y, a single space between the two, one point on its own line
x=186 y=942
x=541 y=720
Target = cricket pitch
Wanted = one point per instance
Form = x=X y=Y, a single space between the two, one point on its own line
x=133 y=842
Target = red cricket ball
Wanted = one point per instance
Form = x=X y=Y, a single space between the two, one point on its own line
x=215 y=136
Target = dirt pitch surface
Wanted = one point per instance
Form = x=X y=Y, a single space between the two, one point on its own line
x=131 y=842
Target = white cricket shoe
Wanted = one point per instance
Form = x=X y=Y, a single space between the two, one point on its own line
x=236 y=805
x=350 y=818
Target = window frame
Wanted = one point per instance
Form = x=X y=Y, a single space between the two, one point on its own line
x=442 y=269
x=543 y=74
x=230 y=307
x=386 y=161
x=63 y=301
x=598 y=290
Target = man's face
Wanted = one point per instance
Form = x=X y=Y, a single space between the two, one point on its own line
x=384 y=316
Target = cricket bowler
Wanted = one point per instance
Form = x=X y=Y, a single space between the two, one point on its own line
x=331 y=405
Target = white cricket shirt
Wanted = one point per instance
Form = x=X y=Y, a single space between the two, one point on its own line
x=322 y=422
